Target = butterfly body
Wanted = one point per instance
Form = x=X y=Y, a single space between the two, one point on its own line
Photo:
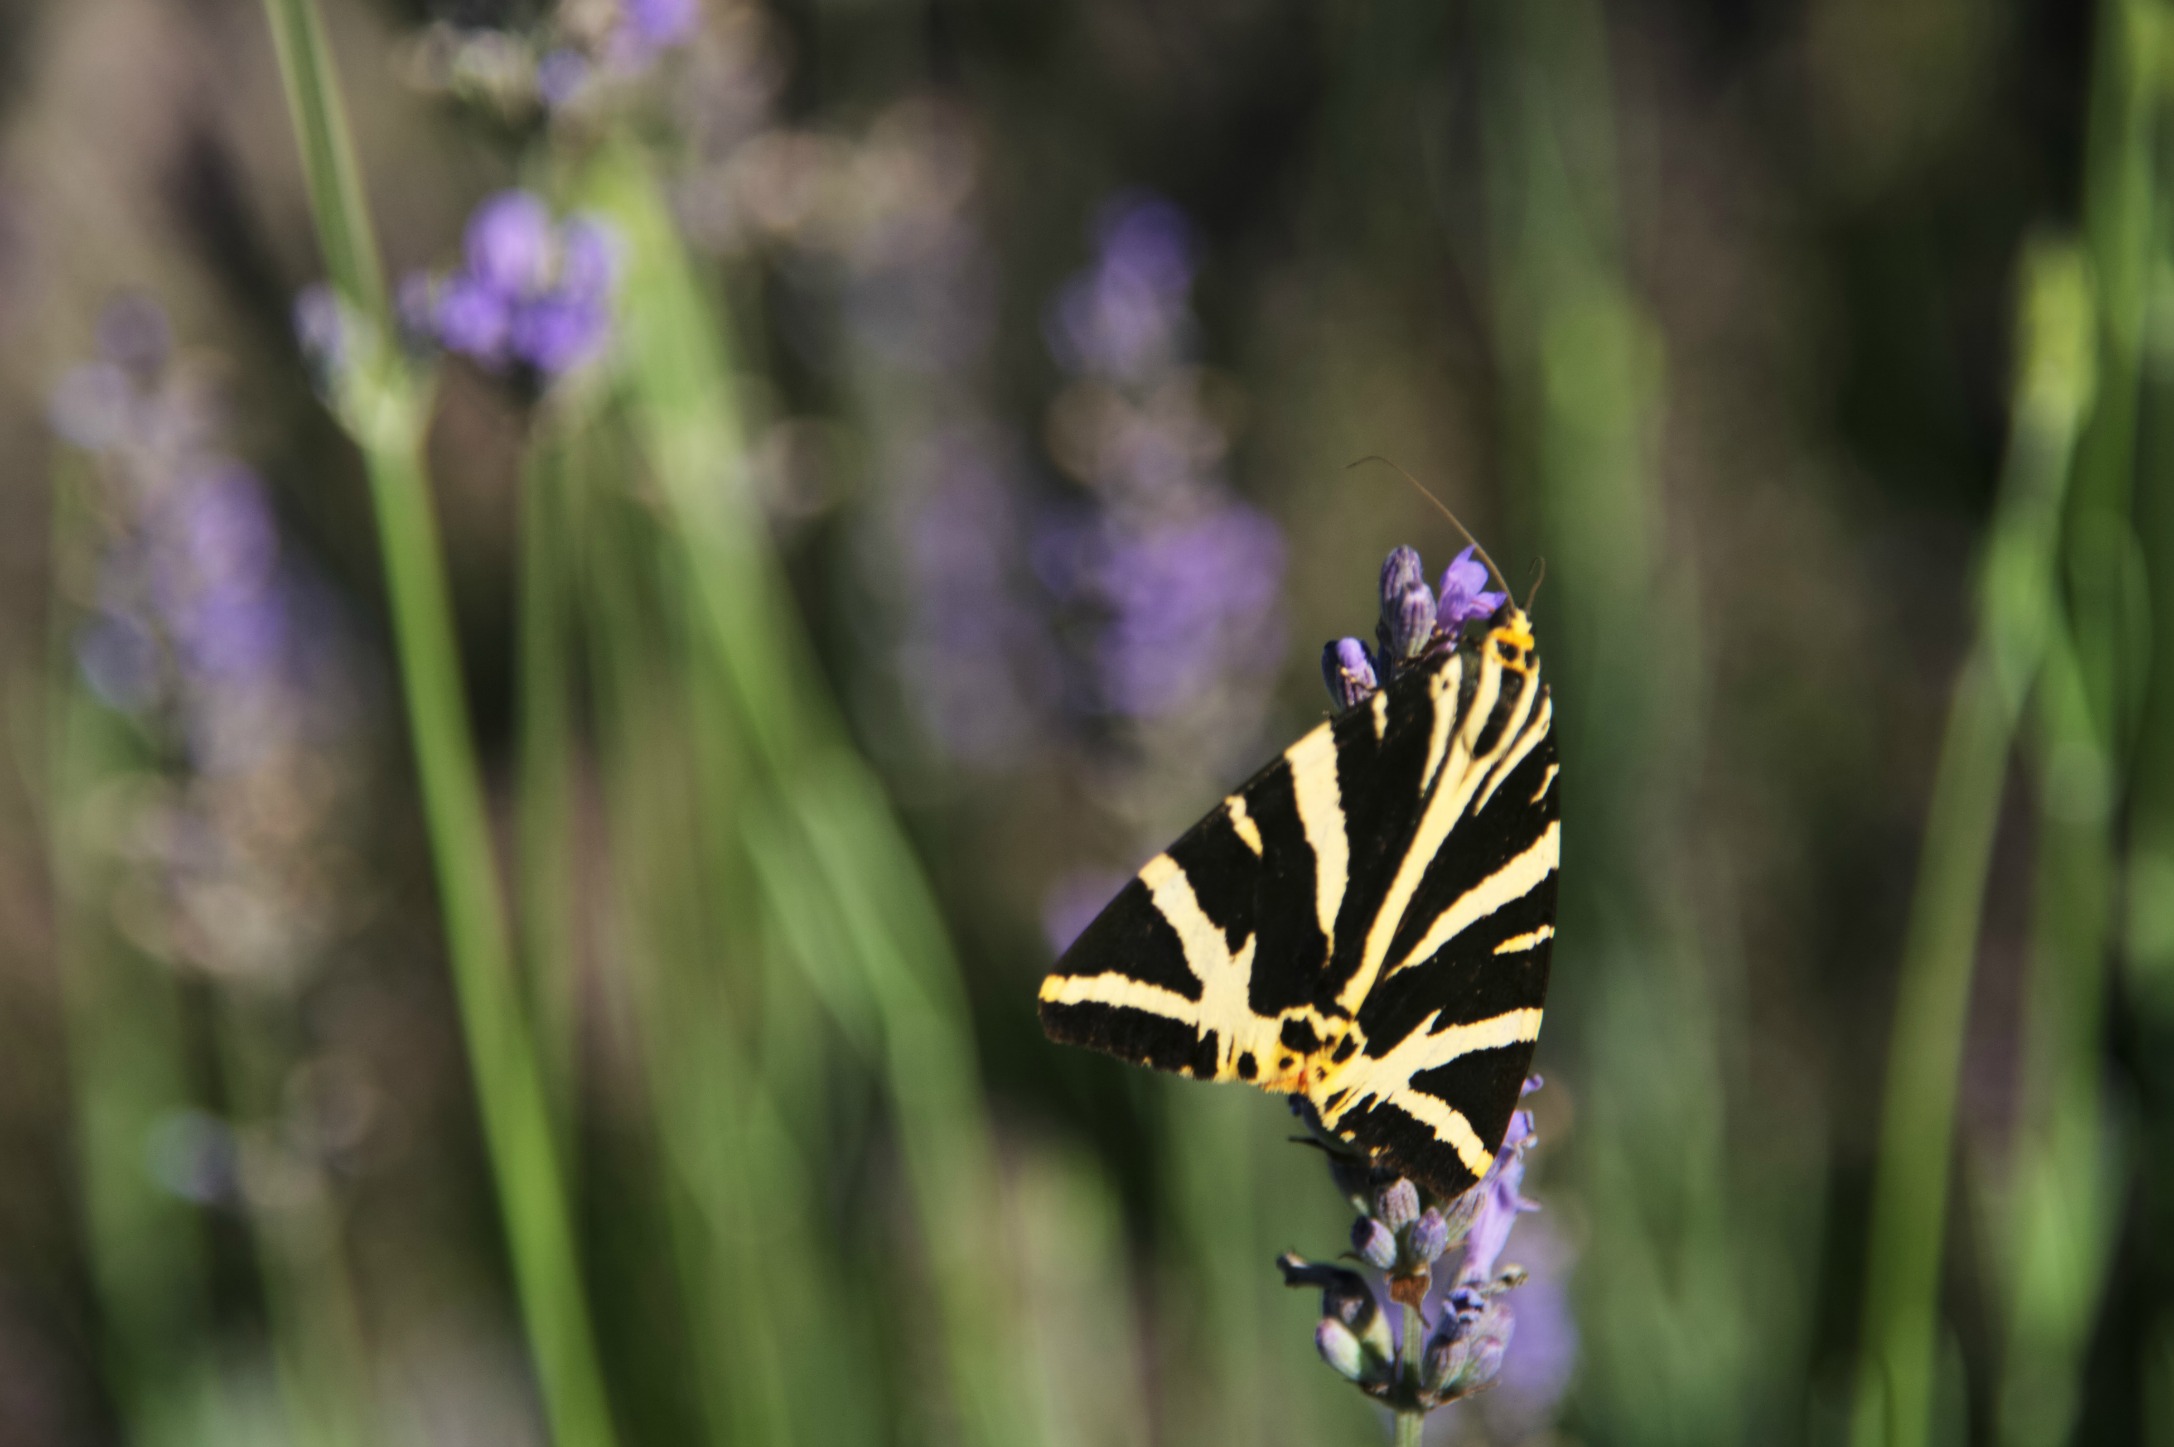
x=1367 y=922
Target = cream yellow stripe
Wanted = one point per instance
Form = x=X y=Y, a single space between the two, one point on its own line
x=1527 y=741
x=1546 y=783
x=1528 y=738
x=1450 y=1127
x=1241 y=821
x=1442 y=688
x=1113 y=988
x=1517 y=943
x=1321 y=815
x=1444 y=806
x=1389 y=1078
x=1513 y=881
x=1226 y=979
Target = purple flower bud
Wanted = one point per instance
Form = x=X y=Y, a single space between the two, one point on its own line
x=556 y=333
x=1345 y=1297
x=1348 y=672
x=1499 y=1203
x=1429 y=1237
x=660 y=24
x=1407 y=625
x=510 y=243
x=1340 y=1349
x=1465 y=597
x=133 y=332
x=474 y=319
x=1466 y=1351
x=1397 y=1206
x=1375 y=1243
x=1399 y=571
x=560 y=76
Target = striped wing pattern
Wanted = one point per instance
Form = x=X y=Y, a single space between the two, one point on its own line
x=1368 y=921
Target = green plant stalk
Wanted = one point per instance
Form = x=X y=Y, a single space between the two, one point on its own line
x=699 y=1096
x=1411 y=1426
x=2062 y=1187
x=517 y=1118
x=549 y=921
x=1895 y=1377
x=2120 y=203
x=1690 y=1294
x=826 y=807
x=387 y=412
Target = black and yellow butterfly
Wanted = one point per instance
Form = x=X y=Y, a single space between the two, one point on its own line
x=1367 y=922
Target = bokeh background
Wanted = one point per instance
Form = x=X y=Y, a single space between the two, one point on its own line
x=890 y=477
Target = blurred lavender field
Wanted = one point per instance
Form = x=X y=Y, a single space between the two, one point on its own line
x=589 y=592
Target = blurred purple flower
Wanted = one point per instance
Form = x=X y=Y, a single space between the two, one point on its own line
x=1464 y=595
x=1186 y=605
x=510 y=243
x=134 y=333
x=1500 y=1203
x=1535 y=1376
x=1128 y=312
x=660 y=24
x=532 y=292
x=560 y=76
x=555 y=334
x=474 y=319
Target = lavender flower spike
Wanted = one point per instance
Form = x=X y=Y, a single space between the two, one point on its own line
x=1407 y=607
x=1465 y=596
x=1348 y=672
x=1500 y=1203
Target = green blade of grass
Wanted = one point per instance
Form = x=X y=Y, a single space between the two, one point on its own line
x=1895 y=1379
x=388 y=412
x=824 y=801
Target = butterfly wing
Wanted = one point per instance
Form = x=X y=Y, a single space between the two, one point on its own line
x=1322 y=929
x=1448 y=977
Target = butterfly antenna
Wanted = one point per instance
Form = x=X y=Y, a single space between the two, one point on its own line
x=1536 y=582
x=1439 y=504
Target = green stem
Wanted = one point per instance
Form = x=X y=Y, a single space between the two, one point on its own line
x=548 y=919
x=387 y=411
x=1894 y=1391
x=1411 y=1426
x=517 y=1121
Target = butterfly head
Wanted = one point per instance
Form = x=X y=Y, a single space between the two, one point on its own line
x=1509 y=640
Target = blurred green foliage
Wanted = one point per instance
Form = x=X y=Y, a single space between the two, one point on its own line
x=634 y=1042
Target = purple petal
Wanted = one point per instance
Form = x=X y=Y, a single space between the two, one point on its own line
x=556 y=333
x=1465 y=597
x=560 y=76
x=510 y=243
x=660 y=24
x=474 y=319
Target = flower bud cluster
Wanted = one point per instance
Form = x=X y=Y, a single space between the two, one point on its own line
x=1402 y=1233
x=533 y=295
x=1415 y=620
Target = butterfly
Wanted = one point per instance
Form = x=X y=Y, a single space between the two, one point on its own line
x=1367 y=922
